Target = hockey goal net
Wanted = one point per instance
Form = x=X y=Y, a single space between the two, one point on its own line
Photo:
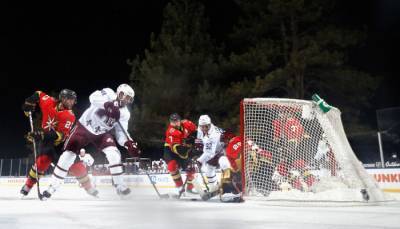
x=293 y=151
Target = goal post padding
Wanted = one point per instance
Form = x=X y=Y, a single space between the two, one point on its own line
x=294 y=151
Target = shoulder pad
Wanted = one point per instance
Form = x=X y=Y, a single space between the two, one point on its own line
x=107 y=91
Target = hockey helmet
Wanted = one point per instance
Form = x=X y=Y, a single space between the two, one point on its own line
x=125 y=94
x=67 y=94
x=204 y=120
x=174 y=117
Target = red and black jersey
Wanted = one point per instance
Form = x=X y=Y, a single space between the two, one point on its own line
x=55 y=119
x=289 y=129
x=233 y=152
x=175 y=135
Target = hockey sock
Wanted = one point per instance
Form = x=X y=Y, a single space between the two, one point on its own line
x=67 y=158
x=190 y=177
x=79 y=171
x=175 y=174
x=42 y=163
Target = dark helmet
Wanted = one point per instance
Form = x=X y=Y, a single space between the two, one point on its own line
x=227 y=135
x=67 y=94
x=174 y=117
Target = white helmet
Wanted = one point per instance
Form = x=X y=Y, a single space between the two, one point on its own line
x=204 y=120
x=125 y=93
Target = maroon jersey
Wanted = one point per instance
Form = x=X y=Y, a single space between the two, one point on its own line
x=175 y=135
x=55 y=119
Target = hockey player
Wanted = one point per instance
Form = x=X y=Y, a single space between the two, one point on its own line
x=57 y=120
x=231 y=178
x=179 y=140
x=213 y=154
x=100 y=124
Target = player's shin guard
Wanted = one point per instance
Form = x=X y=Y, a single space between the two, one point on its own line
x=79 y=171
x=211 y=178
x=189 y=183
x=42 y=163
x=114 y=158
x=173 y=169
x=226 y=181
x=67 y=158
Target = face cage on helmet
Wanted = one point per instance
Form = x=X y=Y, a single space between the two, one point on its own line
x=125 y=98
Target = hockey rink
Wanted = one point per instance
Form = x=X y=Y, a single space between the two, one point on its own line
x=72 y=208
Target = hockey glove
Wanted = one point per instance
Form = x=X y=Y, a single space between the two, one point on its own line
x=112 y=110
x=132 y=148
x=190 y=140
x=198 y=145
x=40 y=135
x=30 y=103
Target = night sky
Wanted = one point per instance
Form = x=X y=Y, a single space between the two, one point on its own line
x=85 y=48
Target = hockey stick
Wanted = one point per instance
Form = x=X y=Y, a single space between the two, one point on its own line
x=35 y=155
x=207 y=194
x=183 y=187
x=202 y=177
x=161 y=196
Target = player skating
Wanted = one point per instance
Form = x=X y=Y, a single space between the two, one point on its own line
x=212 y=156
x=179 y=140
x=100 y=125
x=57 y=120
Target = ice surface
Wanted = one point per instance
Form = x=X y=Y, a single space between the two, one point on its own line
x=72 y=208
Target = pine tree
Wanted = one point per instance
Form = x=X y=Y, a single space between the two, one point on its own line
x=294 y=48
x=179 y=59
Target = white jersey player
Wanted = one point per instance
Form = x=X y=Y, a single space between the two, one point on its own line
x=213 y=151
x=105 y=120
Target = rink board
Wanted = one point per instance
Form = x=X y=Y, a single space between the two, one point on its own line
x=388 y=180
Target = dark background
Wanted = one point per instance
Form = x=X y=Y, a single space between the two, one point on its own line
x=85 y=48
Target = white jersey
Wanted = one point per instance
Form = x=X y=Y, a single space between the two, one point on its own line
x=211 y=143
x=96 y=124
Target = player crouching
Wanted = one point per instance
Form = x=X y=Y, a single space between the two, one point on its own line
x=231 y=178
x=212 y=158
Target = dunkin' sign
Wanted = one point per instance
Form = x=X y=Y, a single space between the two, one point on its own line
x=388 y=179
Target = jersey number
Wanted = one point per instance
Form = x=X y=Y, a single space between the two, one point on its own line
x=68 y=125
x=237 y=145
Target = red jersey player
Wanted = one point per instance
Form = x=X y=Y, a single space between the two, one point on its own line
x=57 y=121
x=231 y=179
x=176 y=150
x=287 y=127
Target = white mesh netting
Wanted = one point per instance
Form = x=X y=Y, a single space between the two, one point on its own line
x=293 y=151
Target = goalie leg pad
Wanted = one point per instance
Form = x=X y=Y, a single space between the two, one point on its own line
x=226 y=181
x=224 y=163
x=231 y=198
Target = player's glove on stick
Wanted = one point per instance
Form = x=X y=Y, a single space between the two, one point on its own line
x=40 y=135
x=30 y=103
x=132 y=148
